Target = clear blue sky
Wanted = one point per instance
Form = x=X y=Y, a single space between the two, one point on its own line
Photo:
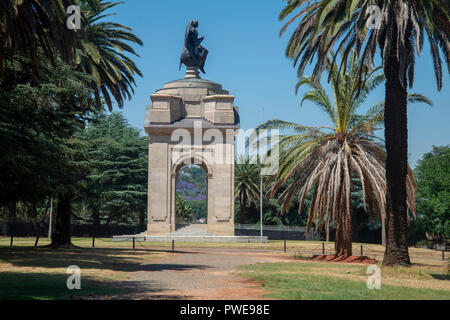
x=247 y=57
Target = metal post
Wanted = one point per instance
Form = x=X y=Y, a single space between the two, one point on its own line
x=93 y=241
x=12 y=237
x=323 y=248
x=362 y=251
x=36 y=242
x=134 y=242
x=443 y=255
x=261 y=208
x=261 y=190
x=173 y=245
x=284 y=245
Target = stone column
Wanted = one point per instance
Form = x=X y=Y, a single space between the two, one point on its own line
x=158 y=184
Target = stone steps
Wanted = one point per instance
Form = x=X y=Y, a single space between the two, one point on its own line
x=192 y=238
x=190 y=233
x=191 y=230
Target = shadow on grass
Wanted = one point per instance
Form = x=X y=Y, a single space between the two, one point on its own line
x=102 y=259
x=44 y=286
x=51 y=283
x=440 y=276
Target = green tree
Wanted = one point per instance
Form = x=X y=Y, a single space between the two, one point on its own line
x=27 y=26
x=398 y=32
x=433 y=194
x=183 y=209
x=116 y=186
x=199 y=208
x=29 y=31
x=192 y=185
x=322 y=162
x=246 y=179
x=39 y=157
x=103 y=55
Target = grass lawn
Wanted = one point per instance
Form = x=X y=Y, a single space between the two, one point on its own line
x=47 y=286
x=418 y=255
x=305 y=280
x=40 y=273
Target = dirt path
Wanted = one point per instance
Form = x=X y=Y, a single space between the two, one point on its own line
x=198 y=274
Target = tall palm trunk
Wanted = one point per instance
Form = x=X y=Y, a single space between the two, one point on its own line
x=396 y=137
x=243 y=212
x=343 y=239
x=61 y=236
x=343 y=242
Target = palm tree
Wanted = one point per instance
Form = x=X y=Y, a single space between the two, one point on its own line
x=27 y=25
x=323 y=162
x=183 y=209
x=246 y=184
x=103 y=53
x=398 y=33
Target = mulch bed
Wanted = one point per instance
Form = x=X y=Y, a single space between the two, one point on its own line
x=349 y=259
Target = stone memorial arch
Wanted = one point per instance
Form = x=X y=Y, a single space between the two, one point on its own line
x=191 y=121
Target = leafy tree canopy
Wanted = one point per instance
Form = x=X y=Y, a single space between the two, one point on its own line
x=36 y=122
x=116 y=186
x=183 y=210
x=433 y=196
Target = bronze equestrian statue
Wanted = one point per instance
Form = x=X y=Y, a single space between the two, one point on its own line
x=194 y=55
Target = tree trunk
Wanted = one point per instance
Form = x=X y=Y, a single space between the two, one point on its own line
x=396 y=137
x=142 y=219
x=32 y=211
x=2 y=57
x=343 y=241
x=243 y=214
x=383 y=231
x=50 y=220
x=61 y=235
x=12 y=209
x=95 y=221
x=243 y=209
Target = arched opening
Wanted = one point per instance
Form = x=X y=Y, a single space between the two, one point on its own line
x=191 y=202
